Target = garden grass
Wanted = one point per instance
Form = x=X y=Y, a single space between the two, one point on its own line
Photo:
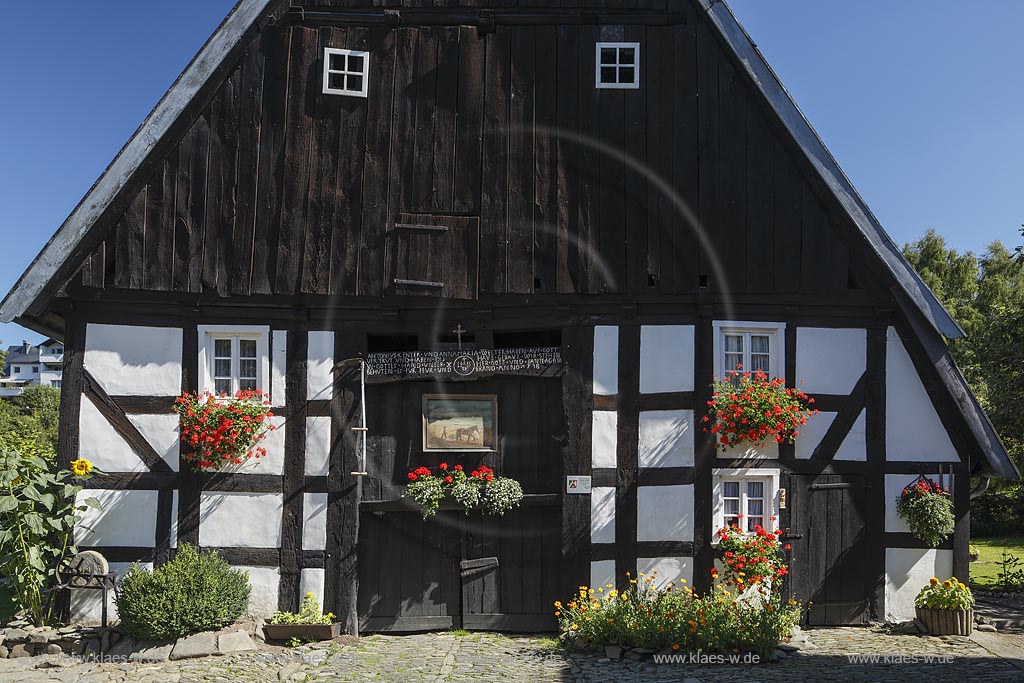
x=985 y=571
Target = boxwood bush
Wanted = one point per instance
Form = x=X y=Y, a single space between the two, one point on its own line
x=193 y=592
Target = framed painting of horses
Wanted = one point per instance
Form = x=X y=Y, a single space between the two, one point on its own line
x=460 y=422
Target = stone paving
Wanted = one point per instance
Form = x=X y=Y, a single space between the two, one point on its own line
x=491 y=658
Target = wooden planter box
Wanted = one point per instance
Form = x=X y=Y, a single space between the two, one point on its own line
x=317 y=632
x=947 y=622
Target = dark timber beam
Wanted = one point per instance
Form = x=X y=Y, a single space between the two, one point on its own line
x=484 y=19
x=577 y=399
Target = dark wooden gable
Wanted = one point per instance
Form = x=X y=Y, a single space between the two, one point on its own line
x=278 y=189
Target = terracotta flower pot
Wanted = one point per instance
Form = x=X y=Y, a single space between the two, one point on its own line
x=315 y=632
x=946 y=622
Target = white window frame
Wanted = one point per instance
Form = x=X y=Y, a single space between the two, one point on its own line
x=768 y=476
x=328 y=72
x=777 y=345
x=598 y=83
x=209 y=333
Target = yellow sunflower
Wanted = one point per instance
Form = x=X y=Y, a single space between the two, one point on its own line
x=81 y=467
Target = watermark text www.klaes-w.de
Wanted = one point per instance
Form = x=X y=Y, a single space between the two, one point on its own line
x=855 y=658
x=707 y=658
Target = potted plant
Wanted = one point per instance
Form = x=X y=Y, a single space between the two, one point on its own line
x=946 y=609
x=223 y=430
x=480 y=489
x=308 y=624
x=751 y=408
x=927 y=508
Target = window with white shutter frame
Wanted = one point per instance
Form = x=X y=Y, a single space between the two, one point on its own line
x=233 y=359
x=749 y=347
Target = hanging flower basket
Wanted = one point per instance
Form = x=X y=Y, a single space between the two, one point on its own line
x=479 y=490
x=223 y=430
x=752 y=409
x=927 y=508
x=946 y=608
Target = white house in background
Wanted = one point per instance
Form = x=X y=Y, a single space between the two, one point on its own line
x=27 y=364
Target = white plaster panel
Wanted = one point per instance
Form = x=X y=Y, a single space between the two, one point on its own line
x=769 y=452
x=602 y=514
x=318 y=446
x=134 y=361
x=127 y=518
x=314 y=521
x=913 y=430
x=666 y=358
x=602 y=573
x=606 y=360
x=278 y=366
x=319 y=377
x=812 y=433
x=664 y=513
x=263 y=582
x=665 y=569
x=87 y=605
x=855 y=445
x=604 y=438
x=246 y=520
x=161 y=431
x=174 y=518
x=312 y=581
x=907 y=571
x=666 y=438
x=273 y=461
x=830 y=361
x=99 y=443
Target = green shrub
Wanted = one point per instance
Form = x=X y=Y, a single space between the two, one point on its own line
x=193 y=592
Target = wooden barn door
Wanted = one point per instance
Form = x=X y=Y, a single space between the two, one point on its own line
x=829 y=558
x=458 y=570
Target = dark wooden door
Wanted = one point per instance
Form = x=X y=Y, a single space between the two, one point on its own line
x=458 y=570
x=829 y=548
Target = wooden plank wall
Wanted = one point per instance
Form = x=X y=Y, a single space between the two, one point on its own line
x=278 y=189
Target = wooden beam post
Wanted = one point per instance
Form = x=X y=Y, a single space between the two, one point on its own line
x=578 y=399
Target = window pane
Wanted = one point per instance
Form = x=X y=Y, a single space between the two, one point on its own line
x=607 y=56
x=247 y=369
x=732 y=506
x=627 y=74
x=755 y=508
x=336 y=82
x=247 y=385
x=222 y=367
x=759 y=343
x=355 y=63
x=729 y=521
x=627 y=55
x=733 y=361
x=760 y=362
x=247 y=348
x=731 y=489
x=222 y=386
x=608 y=74
x=222 y=348
x=734 y=343
x=355 y=84
x=754 y=522
x=755 y=489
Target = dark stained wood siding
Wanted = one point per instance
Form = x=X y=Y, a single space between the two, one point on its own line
x=275 y=188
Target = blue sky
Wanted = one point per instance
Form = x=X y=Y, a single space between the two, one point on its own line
x=920 y=101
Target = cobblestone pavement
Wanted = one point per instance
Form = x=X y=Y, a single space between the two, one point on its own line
x=490 y=658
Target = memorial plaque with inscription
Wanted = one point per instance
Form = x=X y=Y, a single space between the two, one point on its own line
x=456 y=364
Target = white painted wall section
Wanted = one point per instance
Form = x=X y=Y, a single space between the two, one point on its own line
x=602 y=514
x=604 y=438
x=666 y=438
x=319 y=375
x=318 y=446
x=245 y=520
x=312 y=581
x=127 y=518
x=104 y=447
x=161 y=431
x=131 y=360
x=314 y=521
x=602 y=573
x=273 y=461
x=606 y=360
x=853 y=446
x=830 y=361
x=907 y=571
x=913 y=430
x=664 y=513
x=278 y=366
x=666 y=358
x=678 y=570
x=264 y=584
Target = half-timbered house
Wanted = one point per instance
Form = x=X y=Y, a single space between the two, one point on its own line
x=594 y=207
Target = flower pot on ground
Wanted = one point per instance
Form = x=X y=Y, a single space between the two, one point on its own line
x=946 y=608
x=927 y=508
x=308 y=624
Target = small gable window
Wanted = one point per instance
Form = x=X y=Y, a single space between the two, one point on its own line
x=234 y=359
x=618 y=65
x=749 y=347
x=745 y=497
x=346 y=72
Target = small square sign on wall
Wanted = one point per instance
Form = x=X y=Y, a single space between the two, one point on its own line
x=576 y=483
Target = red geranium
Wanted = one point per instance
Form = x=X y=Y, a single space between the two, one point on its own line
x=223 y=430
x=752 y=408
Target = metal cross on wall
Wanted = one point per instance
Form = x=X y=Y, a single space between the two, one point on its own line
x=459 y=331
